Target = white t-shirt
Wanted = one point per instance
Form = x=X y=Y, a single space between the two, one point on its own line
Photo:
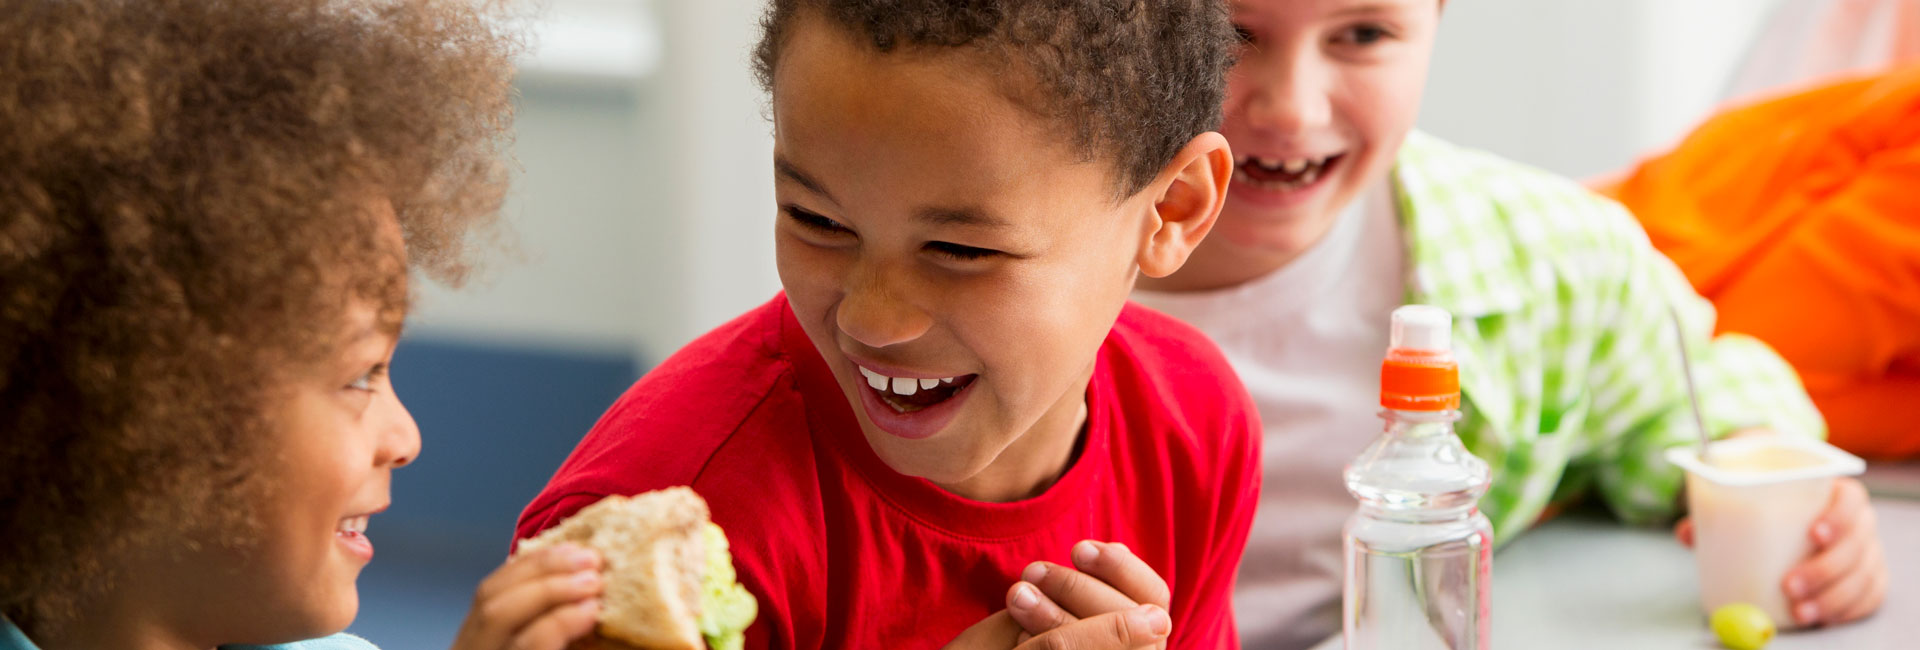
x=1307 y=340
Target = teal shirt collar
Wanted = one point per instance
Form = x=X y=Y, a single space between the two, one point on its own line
x=11 y=638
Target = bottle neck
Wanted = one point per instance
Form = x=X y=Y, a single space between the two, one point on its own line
x=1419 y=423
x=1417 y=470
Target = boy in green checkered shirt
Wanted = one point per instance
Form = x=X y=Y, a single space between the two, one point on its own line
x=1569 y=367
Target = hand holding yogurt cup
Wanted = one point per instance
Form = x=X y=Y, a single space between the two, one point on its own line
x=1777 y=522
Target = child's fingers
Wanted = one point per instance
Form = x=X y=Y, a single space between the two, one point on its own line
x=1116 y=565
x=1834 y=570
x=560 y=558
x=1138 y=627
x=997 y=631
x=1082 y=595
x=1827 y=566
x=510 y=611
x=1847 y=510
x=1838 y=597
x=1683 y=531
x=1868 y=602
x=1035 y=613
x=558 y=627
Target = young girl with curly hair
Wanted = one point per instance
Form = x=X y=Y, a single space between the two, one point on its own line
x=209 y=211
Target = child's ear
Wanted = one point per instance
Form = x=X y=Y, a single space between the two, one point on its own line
x=1193 y=187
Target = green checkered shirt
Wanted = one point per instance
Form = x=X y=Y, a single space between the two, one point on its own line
x=1569 y=370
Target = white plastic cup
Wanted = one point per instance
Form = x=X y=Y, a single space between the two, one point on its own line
x=1752 y=510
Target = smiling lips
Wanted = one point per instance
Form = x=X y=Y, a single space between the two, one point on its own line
x=910 y=394
x=352 y=533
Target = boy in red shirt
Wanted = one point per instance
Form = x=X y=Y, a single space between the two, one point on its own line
x=952 y=427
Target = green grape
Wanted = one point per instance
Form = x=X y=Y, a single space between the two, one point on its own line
x=1742 y=626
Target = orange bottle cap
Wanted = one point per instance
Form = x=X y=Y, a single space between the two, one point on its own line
x=1419 y=373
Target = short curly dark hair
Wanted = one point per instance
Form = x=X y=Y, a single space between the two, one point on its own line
x=183 y=221
x=1133 y=80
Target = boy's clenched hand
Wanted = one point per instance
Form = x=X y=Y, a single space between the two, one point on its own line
x=1139 y=628
x=1107 y=578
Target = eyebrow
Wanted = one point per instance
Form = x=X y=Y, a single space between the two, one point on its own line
x=375 y=330
x=787 y=170
x=961 y=217
x=1369 y=8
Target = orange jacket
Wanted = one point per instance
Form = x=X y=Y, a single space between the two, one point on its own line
x=1799 y=217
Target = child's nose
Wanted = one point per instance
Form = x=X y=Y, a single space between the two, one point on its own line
x=878 y=310
x=400 y=436
x=1289 y=98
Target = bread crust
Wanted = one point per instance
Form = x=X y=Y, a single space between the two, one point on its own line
x=653 y=562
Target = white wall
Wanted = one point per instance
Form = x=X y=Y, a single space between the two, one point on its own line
x=720 y=166
x=1582 y=87
x=644 y=211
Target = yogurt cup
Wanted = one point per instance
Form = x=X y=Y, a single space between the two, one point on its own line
x=1752 y=509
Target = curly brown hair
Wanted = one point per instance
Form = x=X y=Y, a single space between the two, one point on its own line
x=183 y=221
x=1132 y=80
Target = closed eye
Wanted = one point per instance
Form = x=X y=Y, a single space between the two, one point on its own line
x=814 y=221
x=959 y=252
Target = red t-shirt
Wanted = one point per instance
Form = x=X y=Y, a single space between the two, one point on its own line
x=844 y=552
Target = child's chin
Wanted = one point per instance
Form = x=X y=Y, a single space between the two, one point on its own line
x=332 y=612
x=916 y=458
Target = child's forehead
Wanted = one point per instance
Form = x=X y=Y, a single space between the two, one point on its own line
x=839 y=104
x=898 y=100
x=1243 y=9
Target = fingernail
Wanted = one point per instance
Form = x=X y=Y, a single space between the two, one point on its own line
x=1822 y=532
x=1085 y=552
x=587 y=578
x=1152 y=618
x=1796 y=587
x=582 y=558
x=1024 y=597
x=1808 y=612
x=1035 y=572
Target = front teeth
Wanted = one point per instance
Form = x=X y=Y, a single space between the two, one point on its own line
x=1293 y=166
x=1305 y=172
x=353 y=525
x=902 y=386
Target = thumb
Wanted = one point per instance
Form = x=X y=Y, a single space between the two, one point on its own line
x=996 y=631
x=1140 y=627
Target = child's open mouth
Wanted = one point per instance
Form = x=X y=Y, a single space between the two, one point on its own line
x=910 y=394
x=352 y=534
x=1279 y=175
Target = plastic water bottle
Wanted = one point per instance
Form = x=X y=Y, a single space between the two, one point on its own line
x=1419 y=552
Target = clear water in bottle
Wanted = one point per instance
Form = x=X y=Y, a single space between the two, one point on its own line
x=1418 y=557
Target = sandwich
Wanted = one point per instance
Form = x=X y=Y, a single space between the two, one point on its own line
x=669 y=580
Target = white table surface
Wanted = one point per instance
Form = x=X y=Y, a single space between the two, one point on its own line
x=1586 y=582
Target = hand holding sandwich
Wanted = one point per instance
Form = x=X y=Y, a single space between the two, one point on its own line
x=536 y=601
